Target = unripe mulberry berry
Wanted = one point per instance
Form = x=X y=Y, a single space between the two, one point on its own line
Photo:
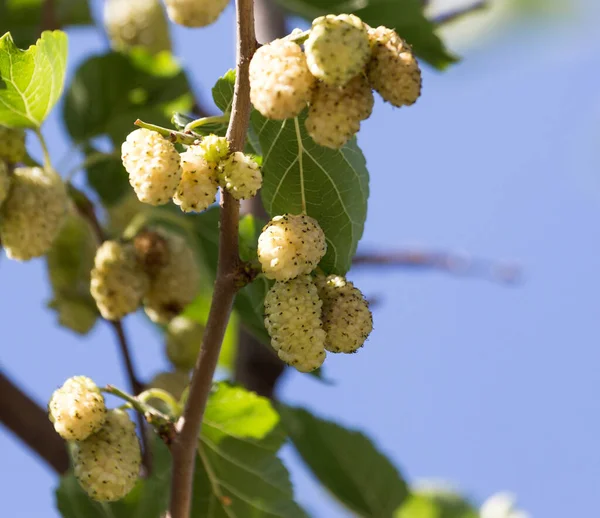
x=213 y=149
x=280 y=82
x=118 y=282
x=292 y=319
x=393 y=70
x=174 y=382
x=337 y=48
x=195 y=13
x=198 y=187
x=107 y=463
x=4 y=181
x=77 y=409
x=12 y=144
x=346 y=317
x=136 y=23
x=241 y=176
x=335 y=113
x=184 y=338
x=33 y=212
x=176 y=284
x=290 y=245
x=153 y=165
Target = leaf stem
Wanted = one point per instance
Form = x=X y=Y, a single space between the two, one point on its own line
x=460 y=12
x=172 y=135
x=184 y=447
x=47 y=161
x=93 y=159
x=214 y=119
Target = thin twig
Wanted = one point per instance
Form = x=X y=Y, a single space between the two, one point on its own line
x=454 y=15
x=184 y=448
x=453 y=263
x=30 y=423
x=49 y=21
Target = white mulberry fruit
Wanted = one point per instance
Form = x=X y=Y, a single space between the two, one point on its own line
x=77 y=409
x=107 y=464
x=183 y=338
x=290 y=245
x=12 y=144
x=176 y=284
x=337 y=48
x=293 y=321
x=241 y=176
x=346 y=317
x=33 y=213
x=136 y=23
x=393 y=70
x=118 y=282
x=4 y=181
x=198 y=187
x=195 y=13
x=153 y=165
x=280 y=81
x=335 y=113
x=213 y=149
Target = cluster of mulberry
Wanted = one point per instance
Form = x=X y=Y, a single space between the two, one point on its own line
x=157 y=269
x=304 y=315
x=343 y=61
x=106 y=450
x=158 y=173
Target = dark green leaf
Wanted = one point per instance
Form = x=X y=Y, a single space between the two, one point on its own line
x=31 y=81
x=238 y=474
x=107 y=176
x=23 y=18
x=148 y=499
x=109 y=92
x=334 y=184
x=347 y=463
x=406 y=16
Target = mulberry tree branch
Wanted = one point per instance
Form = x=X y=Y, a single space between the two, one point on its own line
x=30 y=423
x=184 y=447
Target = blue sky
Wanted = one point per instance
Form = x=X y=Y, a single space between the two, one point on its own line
x=488 y=387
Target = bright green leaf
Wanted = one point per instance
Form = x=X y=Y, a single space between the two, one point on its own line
x=347 y=463
x=332 y=184
x=238 y=474
x=31 y=81
x=109 y=92
x=406 y=16
x=23 y=18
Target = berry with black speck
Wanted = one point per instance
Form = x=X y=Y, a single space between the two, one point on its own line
x=118 y=281
x=153 y=165
x=393 y=70
x=335 y=113
x=33 y=212
x=346 y=316
x=195 y=13
x=198 y=187
x=290 y=245
x=107 y=464
x=137 y=23
x=77 y=409
x=12 y=144
x=280 y=81
x=293 y=321
x=337 y=48
x=241 y=176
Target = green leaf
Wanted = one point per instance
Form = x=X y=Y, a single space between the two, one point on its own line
x=347 y=463
x=106 y=175
x=333 y=184
x=436 y=504
x=23 y=18
x=406 y=16
x=109 y=92
x=31 y=81
x=238 y=474
x=148 y=499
